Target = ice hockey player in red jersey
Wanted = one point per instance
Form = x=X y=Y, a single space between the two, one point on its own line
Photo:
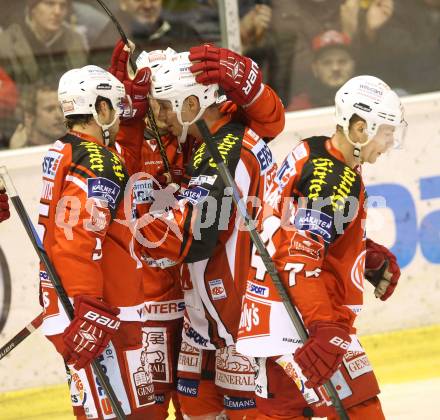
x=263 y=111
x=215 y=252
x=84 y=231
x=314 y=231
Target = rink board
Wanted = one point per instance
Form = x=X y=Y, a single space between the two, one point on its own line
x=409 y=180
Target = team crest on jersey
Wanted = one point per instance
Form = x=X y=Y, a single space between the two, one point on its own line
x=103 y=189
x=217 y=289
x=358 y=271
x=315 y=222
x=51 y=163
x=301 y=246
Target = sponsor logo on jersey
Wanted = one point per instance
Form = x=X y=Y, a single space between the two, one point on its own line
x=263 y=155
x=224 y=148
x=51 y=163
x=256 y=289
x=322 y=167
x=188 y=387
x=190 y=359
x=155 y=342
x=301 y=246
x=47 y=192
x=103 y=189
x=254 y=319
x=237 y=403
x=315 y=222
x=142 y=191
x=161 y=263
x=193 y=335
x=357 y=363
x=95 y=155
x=202 y=179
x=117 y=167
x=217 y=289
x=343 y=189
x=194 y=195
x=165 y=308
x=287 y=170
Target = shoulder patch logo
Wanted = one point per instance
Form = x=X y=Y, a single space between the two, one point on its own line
x=51 y=163
x=103 y=189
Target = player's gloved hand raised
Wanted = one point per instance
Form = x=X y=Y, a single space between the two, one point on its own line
x=137 y=85
x=4 y=206
x=323 y=352
x=381 y=269
x=94 y=324
x=239 y=76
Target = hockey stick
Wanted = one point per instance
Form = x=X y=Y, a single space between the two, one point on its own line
x=20 y=336
x=56 y=282
x=267 y=260
x=151 y=117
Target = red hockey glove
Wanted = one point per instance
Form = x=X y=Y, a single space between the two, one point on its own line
x=4 y=206
x=381 y=269
x=90 y=331
x=175 y=175
x=322 y=353
x=239 y=76
x=136 y=86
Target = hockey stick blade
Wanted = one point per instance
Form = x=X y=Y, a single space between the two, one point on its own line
x=267 y=260
x=20 y=336
x=56 y=282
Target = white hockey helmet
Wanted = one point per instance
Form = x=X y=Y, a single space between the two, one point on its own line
x=79 y=89
x=173 y=81
x=153 y=59
x=374 y=101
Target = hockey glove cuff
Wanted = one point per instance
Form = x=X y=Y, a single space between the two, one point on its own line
x=381 y=269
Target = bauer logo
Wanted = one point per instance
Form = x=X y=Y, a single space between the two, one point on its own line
x=103 y=189
x=258 y=290
x=315 y=222
x=217 y=289
x=51 y=162
x=194 y=195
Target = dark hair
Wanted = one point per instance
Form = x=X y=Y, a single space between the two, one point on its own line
x=353 y=120
x=28 y=101
x=71 y=120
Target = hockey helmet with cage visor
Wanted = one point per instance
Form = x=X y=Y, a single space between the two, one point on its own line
x=173 y=81
x=378 y=105
x=79 y=90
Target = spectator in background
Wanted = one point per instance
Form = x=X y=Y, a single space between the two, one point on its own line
x=296 y=23
x=8 y=103
x=146 y=26
x=41 y=44
x=333 y=65
x=401 y=43
x=42 y=117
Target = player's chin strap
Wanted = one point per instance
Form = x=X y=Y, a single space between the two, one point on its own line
x=186 y=124
x=357 y=147
x=105 y=127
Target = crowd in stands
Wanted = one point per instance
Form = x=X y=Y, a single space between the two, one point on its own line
x=306 y=48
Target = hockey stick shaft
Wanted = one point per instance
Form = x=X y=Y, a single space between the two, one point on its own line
x=21 y=335
x=56 y=282
x=151 y=117
x=267 y=260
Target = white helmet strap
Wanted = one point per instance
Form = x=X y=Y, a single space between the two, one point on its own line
x=186 y=124
x=104 y=127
